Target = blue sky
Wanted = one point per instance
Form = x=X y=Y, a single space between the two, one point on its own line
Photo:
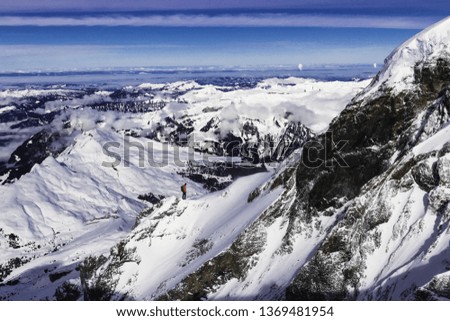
x=56 y=35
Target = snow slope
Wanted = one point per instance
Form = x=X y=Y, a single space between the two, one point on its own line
x=186 y=233
x=69 y=203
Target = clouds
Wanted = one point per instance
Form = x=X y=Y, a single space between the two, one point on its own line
x=45 y=57
x=230 y=123
x=178 y=5
x=77 y=102
x=56 y=57
x=87 y=34
x=124 y=5
x=222 y=20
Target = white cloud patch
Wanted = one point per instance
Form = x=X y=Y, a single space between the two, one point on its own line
x=89 y=119
x=224 y=20
x=230 y=123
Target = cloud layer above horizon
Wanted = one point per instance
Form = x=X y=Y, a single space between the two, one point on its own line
x=179 y=5
x=222 y=20
x=48 y=34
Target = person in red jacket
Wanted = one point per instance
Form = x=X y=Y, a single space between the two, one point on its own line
x=183 y=190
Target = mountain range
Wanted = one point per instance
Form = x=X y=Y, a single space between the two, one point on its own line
x=297 y=189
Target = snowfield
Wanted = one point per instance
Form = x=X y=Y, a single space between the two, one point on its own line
x=313 y=103
x=73 y=206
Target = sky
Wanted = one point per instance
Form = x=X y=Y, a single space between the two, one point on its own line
x=89 y=34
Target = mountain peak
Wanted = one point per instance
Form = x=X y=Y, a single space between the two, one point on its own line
x=426 y=47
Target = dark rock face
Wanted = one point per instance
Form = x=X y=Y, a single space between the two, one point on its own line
x=439 y=287
x=7 y=267
x=373 y=131
x=426 y=176
x=320 y=281
x=151 y=198
x=250 y=144
x=102 y=287
x=435 y=117
x=433 y=76
x=216 y=176
x=34 y=151
x=294 y=137
x=220 y=270
x=211 y=124
x=100 y=290
x=369 y=133
x=67 y=292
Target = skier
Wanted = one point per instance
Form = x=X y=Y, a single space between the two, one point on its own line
x=183 y=190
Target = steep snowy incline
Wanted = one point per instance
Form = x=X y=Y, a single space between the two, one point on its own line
x=372 y=222
x=79 y=198
x=393 y=238
x=173 y=239
x=394 y=235
x=234 y=244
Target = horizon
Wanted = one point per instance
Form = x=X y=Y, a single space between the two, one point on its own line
x=203 y=75
x=104 y=35
x=205 y=68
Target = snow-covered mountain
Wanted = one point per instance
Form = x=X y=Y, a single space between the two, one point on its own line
x=66 y=196
x=392 y=242
x=370 y=223
x=263 y=123
x=357 y=211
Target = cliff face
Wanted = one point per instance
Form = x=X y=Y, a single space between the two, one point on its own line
x=380 y=122
x=395 y=167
